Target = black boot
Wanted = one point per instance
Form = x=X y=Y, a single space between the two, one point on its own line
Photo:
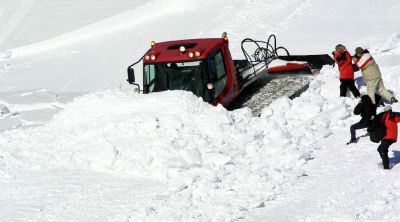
x=393 y=100
x=352 y=140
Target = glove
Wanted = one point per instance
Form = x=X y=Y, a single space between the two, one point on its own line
x=355 y=68
x=393 y=115
x=333 y=53
x=341 y=57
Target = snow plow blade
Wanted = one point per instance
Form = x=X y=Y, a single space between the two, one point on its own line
x=313 y=64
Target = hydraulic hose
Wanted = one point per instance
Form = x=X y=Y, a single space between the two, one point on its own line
x=265 y=52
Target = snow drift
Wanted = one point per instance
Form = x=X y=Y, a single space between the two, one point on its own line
x=207 y=155
x=199 y=150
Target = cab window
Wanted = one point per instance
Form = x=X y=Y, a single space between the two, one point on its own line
x=150 y=75
x=217 y=72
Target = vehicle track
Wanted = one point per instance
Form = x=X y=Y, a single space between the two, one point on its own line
x=267 y=89
x=12 y=16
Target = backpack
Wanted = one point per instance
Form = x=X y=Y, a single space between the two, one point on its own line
x=378 y=129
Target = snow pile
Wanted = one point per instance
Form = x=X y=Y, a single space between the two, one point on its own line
x=207 y=155
x=218 y=164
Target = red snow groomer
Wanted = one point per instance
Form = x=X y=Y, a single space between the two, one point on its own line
x=206 y=68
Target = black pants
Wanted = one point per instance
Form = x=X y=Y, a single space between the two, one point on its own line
x=348 y=83
x=383 y=150
x=356 y=126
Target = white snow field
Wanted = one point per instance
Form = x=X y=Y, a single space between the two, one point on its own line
x=76 y=144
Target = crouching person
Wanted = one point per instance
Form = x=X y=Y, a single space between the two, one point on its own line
x=367 y=110
x=390 y=120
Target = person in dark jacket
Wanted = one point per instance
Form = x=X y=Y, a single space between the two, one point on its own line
x=343 y=59
x=390 y=119
x=367 y=110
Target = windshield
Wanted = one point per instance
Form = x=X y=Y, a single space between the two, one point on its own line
x=190 y=76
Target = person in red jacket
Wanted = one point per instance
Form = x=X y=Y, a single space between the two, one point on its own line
x=390 y=119
x=343 y=59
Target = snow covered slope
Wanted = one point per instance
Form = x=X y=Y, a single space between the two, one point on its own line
x=31 y=21
x=76 y=145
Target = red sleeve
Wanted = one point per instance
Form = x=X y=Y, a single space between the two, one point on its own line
x=342 y=62
x=348 y=59
x=397 y=119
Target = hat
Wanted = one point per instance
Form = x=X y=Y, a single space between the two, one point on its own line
x=339 y=46
x=387 y=108
x=359 y=50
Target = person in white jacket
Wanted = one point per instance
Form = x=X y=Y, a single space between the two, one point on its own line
x=372 y=75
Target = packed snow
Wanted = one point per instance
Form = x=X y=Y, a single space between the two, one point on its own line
x=76 y=144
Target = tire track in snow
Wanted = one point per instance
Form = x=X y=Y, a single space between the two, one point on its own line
x=120 y=22
x=12 y=16
x=254 y=19
x=300 y=10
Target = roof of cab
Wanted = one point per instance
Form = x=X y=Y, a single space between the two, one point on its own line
x=169 y=51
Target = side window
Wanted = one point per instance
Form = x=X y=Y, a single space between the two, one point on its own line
x=150 y=75
x=217 y=72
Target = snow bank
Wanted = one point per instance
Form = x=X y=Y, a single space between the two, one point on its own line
x=219 y=162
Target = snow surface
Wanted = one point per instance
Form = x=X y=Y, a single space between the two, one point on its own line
x=77 y=145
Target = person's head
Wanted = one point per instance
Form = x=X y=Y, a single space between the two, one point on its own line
x=366 y=99
x=359 y=51
x=387 y=108
x=340 y=48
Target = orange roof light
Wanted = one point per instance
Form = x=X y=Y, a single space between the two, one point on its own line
x=153 y=43
x=225 y=36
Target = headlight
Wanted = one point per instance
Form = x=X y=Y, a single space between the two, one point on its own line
x=225 y=36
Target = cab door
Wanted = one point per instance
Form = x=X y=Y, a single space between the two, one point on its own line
x=217 y=72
